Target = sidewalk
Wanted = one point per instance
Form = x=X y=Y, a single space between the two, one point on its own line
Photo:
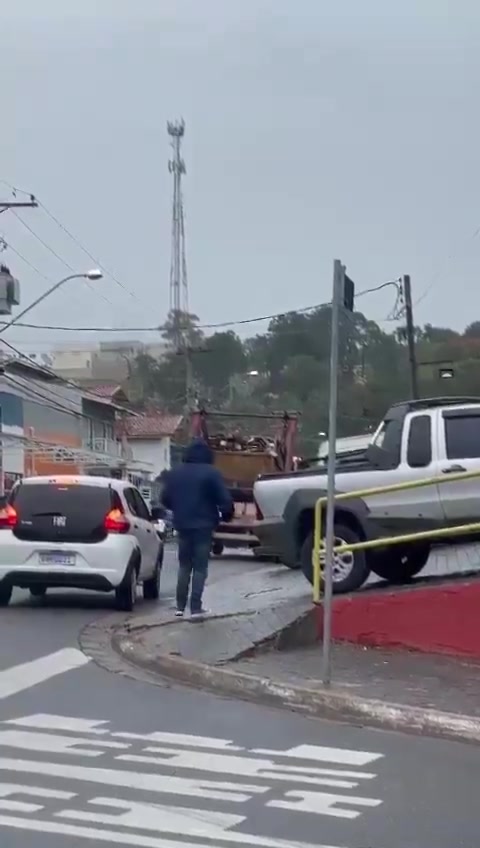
x=259 y=646
x=404 y=678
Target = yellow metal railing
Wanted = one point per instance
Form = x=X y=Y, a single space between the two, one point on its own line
x=445 y=532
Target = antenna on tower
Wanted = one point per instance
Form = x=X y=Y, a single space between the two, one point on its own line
x=178 y=266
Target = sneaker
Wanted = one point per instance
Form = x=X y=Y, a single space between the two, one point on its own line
x=179 y=613
x=199 y=615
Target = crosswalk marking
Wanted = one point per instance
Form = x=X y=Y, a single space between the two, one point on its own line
x=214 y=790
x=342 y=756
x=20 y=677
x=44 y=721
x=119 y=837
x=54 y=743
x=77 y=755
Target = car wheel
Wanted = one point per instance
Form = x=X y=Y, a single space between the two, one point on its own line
x=5 y=594
x=151 y=588
x=350 y=569
x=217 y=548
x=399 y=566
x=38 y=591
x=126 y=593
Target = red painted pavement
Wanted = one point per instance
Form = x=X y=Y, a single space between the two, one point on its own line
x=441 y=619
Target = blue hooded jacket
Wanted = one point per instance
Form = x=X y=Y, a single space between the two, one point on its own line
x=195 y=491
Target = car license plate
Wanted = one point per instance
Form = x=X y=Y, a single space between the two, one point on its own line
x=57 y=558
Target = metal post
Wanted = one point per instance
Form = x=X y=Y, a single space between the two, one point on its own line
x=407 y=293
x=338 y=278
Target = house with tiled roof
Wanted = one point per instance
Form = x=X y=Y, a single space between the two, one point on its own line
x=150 y=435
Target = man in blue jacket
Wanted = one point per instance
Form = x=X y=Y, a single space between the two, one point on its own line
x=196 y=494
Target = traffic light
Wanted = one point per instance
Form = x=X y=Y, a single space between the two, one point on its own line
x=348 y=293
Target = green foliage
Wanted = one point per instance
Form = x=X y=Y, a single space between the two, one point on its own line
x=288 y=368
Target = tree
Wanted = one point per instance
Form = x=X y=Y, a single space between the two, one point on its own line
x=223 y=358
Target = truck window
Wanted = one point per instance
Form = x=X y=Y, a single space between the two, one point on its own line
x=462 y=436
x=419 y=447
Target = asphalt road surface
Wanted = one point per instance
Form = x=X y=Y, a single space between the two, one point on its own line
x=90 y=758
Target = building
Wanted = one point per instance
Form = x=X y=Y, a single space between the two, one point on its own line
x=50 y=426
x=102 y=362
x=150 y=437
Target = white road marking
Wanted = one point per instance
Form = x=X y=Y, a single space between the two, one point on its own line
x=9 y=789
x=231 y=765
x=139 y=821
x=322 y=803
x=54 y=743
x=342 y=756
x=216 y=790
x=45 y=721
x=140 y=841
x=24 y=676
x=182 y=739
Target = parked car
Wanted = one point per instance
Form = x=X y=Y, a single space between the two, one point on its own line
x=79 y=532
x=416 y=440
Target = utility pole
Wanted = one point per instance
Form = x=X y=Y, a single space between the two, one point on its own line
x=410 y=333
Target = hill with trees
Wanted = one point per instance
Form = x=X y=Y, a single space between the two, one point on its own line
x=287 y=368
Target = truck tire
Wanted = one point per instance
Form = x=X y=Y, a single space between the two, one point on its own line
x=350 y=569
x=217 y=548
x=399 y=566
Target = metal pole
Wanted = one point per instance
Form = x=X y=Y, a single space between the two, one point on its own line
x=338 y=277
x=412 y=356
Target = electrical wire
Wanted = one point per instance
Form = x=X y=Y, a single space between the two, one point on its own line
x=97 y=262
x=219 y=325
x=60 y=258
x=76 y=241
x=37 y=396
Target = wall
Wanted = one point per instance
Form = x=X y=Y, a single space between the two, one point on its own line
x=154 y=451
x=12 y=452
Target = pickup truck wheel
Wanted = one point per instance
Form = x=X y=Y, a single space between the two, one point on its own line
x=399 y=566
x=350 y=569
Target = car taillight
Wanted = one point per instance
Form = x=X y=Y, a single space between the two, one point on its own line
x=258 y=512
x=116 y=522
x=8 y=516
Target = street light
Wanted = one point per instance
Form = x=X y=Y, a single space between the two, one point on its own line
x=92 y=275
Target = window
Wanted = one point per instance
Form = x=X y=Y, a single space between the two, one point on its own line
x=142 y=508
x=131 y=501
x=462 y=436
x=419 y=447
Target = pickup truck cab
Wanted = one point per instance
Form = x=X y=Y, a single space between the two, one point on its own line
x=416 y=440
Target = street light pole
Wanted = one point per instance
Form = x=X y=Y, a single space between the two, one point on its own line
x=89 y=275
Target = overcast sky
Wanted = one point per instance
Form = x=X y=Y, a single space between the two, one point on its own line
x=315 y=129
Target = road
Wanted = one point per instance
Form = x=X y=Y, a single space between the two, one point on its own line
x=91 y=758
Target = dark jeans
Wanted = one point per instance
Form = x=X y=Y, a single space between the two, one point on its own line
x=193 y=555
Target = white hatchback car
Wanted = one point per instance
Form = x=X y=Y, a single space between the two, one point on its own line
x=79 y=532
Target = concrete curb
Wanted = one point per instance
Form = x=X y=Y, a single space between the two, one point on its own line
x=320 y=703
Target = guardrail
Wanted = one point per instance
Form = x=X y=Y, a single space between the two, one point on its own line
x=385 y=541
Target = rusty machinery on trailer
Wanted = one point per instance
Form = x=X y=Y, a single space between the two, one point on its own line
x=242 y=458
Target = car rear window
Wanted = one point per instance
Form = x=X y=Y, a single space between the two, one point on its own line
x=63 y=499
x=62 y=512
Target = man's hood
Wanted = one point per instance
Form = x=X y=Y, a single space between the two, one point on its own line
x=199 y=452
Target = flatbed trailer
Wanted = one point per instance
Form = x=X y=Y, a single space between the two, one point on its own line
x=241 y=459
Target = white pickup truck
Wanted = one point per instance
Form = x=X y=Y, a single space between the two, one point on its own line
x=417 y=439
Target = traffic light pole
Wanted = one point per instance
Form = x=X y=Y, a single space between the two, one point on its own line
x=337 y=299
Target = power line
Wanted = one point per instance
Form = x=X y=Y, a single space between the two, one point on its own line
x=96 y=261
x=60 y=258
x=77 y=241
x=219 y=325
